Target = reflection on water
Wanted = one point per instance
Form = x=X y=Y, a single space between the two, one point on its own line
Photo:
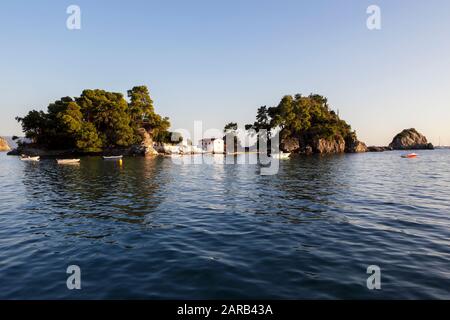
x=96 y=189
x=163 y=228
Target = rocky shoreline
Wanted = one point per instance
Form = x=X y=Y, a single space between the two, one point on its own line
x=379 y=149
x=408 y=139
x=34 y=150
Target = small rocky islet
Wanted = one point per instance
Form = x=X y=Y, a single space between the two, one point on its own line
x=410 y=139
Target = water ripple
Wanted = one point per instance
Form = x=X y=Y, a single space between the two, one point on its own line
x=155 y=229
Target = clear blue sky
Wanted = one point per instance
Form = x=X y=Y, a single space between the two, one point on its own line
x=217 y=61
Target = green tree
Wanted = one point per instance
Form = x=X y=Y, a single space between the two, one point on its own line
x=84 y=133
x=56 y=134
x=143 y=114
x=262 y=119
x=88 y=139
x=159 y=127
x=302 y=117
x=230 y=127
x=47 y=128
x=140 y=105
x=71 y=118
x=108 y=111
x=34 y=125
x=95 y=120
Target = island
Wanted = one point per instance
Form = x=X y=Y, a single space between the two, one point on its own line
x=96 y=122
x=410 y=139
x=307 y=125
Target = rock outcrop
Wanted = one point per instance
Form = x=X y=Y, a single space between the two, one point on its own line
x=167 y=149
x=4 y=146
x=353 y=145
x=334 y=145
x=410 y=139
x=290 y=145
x=33 y=150
x=147 y=143
x=378 y=149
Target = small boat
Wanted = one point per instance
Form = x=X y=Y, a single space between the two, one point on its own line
x=281 y=155
x=113 y=158
x=28 y=158
x=409 y=156
x=68 y=161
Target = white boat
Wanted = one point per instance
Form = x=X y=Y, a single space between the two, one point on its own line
x=113 y=158
x=68 y=161
x=281 y=155
x=28 y=158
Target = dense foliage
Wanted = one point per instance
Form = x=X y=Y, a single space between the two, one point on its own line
x=96 y=120
x=230 y=127
x=305 y=118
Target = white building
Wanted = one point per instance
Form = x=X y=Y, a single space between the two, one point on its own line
x=213 y=145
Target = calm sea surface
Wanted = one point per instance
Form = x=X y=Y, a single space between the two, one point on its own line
x=155 y=229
